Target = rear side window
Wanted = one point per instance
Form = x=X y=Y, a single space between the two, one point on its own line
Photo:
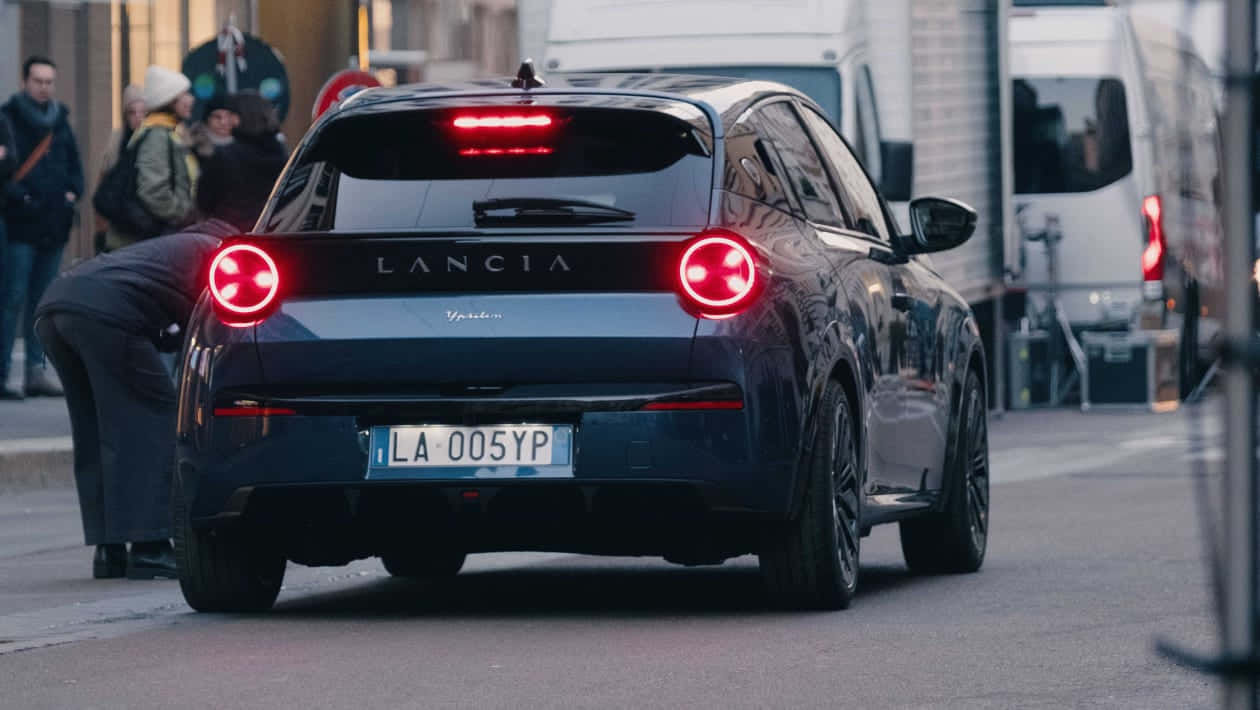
x=804 y=167
x=862 y=201
x=1070 y=134
x=426 y=169
x=749 y=171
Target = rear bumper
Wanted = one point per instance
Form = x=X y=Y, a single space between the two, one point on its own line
x=231 y=463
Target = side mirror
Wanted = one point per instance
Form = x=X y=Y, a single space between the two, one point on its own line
x=896 y=161
x=938 y=224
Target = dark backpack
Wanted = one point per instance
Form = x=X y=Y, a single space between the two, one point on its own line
x=116 y=198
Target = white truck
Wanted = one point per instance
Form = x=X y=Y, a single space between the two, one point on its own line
x=914 y=86
x=1115 y=142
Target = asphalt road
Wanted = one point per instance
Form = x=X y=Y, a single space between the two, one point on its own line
x=1095 y=552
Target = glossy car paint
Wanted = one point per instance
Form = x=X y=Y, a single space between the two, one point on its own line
x=836 y=304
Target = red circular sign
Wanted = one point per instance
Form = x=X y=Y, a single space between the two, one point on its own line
x=340 y=87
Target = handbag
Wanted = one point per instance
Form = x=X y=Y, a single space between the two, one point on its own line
x=116 y=197
x=14 y=199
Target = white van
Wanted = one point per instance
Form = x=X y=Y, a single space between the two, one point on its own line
x=816 y=46
x=1116 y=143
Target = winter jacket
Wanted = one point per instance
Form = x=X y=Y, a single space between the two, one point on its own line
x=36 y=208
x=9 y=163
x=142 y=288
x=167 y=195
x=238 y=178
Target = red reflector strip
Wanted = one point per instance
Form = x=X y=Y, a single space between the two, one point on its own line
x=477 y=152
x=717 y=404
x=537 y=120
x=253 y=411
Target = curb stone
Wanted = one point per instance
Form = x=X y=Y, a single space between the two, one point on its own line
x=37 y=463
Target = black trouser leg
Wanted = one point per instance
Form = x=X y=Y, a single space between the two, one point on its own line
x=135 y=415
x=83 y=429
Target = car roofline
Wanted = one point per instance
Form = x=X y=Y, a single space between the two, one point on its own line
x=715 y=117
x=354 y=105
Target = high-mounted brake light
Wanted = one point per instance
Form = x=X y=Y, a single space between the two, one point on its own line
x=514 y=151
x=534 y=120
x=244 y=281
x=717 y=274
x=1156 y=246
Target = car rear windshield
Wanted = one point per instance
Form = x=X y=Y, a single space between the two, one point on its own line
x=541 y=166
x=1071 y=134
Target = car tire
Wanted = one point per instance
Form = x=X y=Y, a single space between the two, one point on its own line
x=812 y=562
x=433 y=565
x=954 y=540
x=221 y=570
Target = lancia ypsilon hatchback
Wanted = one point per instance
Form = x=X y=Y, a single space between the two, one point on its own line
x=618 y=314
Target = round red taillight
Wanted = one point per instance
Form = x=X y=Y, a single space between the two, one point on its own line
x=718 y=274
x=244 y=280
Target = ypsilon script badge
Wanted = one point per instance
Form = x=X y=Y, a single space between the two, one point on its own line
x=459 y=316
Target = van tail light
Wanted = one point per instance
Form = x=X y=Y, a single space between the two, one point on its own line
x=243 y=282
x=717 y=275
x=1156 y=245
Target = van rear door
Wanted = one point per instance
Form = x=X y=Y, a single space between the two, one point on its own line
x=1075 y=173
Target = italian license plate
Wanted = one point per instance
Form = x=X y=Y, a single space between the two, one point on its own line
x=495 y=451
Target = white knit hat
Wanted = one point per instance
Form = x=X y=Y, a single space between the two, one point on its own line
x=162 y=86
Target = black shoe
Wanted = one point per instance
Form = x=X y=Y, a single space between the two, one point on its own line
x=110 y=562
x=11 y=393
x=151 y=560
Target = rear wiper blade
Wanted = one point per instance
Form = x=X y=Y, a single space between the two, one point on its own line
x=516 y=210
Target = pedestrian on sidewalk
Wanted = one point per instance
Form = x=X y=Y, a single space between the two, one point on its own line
x=8 y=166
x=105 y=324
x=166 y=168
x=215 y=130
x=133 y=115
x=39 y=212
x=246 y=168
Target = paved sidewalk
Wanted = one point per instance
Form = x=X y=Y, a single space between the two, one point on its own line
x=35 y=446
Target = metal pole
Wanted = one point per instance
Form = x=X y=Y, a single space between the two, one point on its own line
x=229 y=61
x=1240 y=504
x=1006 y=157
x=364 y=37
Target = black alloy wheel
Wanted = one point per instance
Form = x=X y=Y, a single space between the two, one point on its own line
x=845 y=496
x=955 y=539
x=812 y=562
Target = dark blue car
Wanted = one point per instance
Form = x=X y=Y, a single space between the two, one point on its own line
x=618 y=314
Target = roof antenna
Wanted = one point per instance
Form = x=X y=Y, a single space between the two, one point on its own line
x=526 y=77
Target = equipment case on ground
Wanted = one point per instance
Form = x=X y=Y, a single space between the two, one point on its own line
x=1135 y=368
x=1028 y=374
